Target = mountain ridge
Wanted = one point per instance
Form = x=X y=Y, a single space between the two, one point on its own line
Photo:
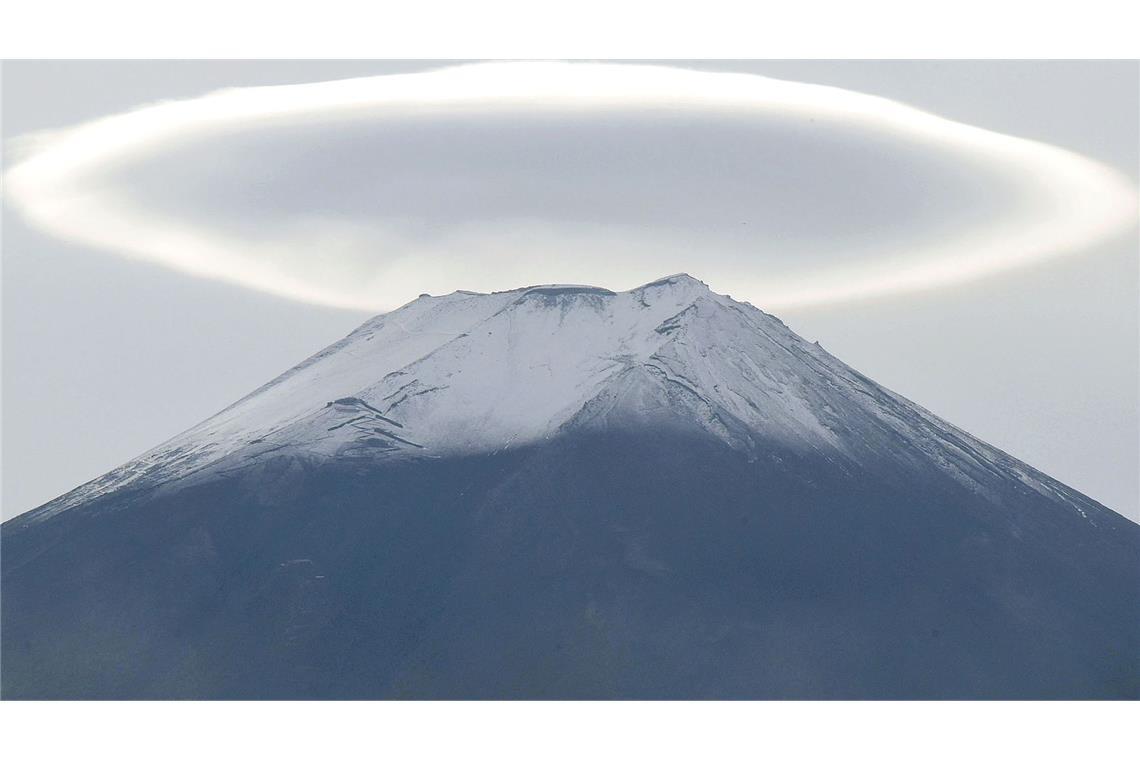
x=562 y=492
x=652 y=328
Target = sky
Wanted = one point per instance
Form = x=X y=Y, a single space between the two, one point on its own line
x=146 y=290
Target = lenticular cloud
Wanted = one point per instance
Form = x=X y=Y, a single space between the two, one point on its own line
x=362 y=193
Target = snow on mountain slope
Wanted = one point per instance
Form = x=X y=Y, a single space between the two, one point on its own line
x=473 y=373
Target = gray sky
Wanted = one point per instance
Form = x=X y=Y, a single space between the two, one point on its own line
x=105 y=357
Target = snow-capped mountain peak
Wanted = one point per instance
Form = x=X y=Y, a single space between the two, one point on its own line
x=565 y=492
x=471 y=373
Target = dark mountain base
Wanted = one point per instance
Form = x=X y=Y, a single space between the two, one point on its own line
x=596 y=567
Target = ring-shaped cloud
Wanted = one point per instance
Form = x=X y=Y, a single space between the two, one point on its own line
x=493 y=175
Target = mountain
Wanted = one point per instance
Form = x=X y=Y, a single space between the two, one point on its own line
x=566 y=492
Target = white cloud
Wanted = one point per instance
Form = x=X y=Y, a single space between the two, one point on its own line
x=1039 y=201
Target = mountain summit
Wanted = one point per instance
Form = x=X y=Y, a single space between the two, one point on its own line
x=563 y=491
